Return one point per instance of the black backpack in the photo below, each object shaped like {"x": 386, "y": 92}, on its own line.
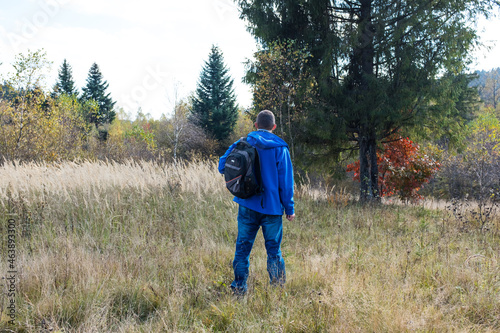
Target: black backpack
{"x": 242, "y": 170}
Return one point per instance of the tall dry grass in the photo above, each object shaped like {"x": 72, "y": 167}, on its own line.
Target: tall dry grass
{"x": 141, "y": 247}
{"x": 34, "y": 179}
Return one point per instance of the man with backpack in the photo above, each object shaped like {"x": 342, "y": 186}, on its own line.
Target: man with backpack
{"x": 274, "y": 195}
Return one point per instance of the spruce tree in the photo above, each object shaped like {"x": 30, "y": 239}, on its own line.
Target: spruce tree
{"x": 96, "y": 90}
{"x": 214, "y": 105}
{"x": 380, "y": 66}
{"x": 65, "y": 83}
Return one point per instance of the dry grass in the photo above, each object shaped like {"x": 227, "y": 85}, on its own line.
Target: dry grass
{"x": 139, "y": 247}
{"x": 64, "y": 179}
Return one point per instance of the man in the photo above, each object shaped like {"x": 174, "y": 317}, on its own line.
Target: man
{"x": 264, "y": 209}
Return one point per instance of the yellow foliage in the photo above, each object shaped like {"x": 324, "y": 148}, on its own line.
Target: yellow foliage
{"x": 35, "y": 127}
{"x": 244, "y": 125}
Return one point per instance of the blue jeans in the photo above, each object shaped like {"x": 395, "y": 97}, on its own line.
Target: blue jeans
{"x": 249, "y": 222}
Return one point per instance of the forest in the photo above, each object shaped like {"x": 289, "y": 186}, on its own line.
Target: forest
{"x": 119, "y": 223}
{"x": 456, "y": 160}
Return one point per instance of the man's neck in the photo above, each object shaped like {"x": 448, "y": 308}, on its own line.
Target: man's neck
{"x": 264, "y": 130}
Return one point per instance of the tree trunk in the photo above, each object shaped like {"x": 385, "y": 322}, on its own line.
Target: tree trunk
{"x": 364, "y": 170}
{"x": 362, "y": 70}
{"x": 292, "y": 147}
{"x": 374, "y": 168}
{"x": 368, "y": 169}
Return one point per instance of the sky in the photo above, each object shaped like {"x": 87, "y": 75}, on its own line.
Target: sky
{"x": 150, "y": 52}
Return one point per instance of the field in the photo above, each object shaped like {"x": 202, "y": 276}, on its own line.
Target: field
{"x": 139, "y": 247}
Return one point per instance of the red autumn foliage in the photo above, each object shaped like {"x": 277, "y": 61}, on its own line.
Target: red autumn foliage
{"x": 403, "y": 169}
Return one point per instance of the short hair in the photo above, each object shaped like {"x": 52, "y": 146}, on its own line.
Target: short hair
{"x": 265, "y": 120}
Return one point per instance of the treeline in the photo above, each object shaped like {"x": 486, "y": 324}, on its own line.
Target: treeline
{"x": 63, "y": 123}
{"x": 361, "y": 83}
{"x": 469, "y": 159}
{"x": 488, "y": 85}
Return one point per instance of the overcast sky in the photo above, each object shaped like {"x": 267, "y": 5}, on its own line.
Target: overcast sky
{"x": 146, "y": 50}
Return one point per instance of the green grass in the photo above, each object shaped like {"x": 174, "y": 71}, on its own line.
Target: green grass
{"x": 130, "y": 255}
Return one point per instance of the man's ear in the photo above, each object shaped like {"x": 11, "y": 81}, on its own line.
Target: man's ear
{"x": 255, "y": 124}
{"x": 274, "y": 127}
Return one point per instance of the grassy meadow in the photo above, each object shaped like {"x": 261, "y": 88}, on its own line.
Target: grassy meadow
{"x": 141, "y": 247}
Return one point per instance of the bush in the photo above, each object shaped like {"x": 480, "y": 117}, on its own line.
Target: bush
{"x": 403, "y": 169}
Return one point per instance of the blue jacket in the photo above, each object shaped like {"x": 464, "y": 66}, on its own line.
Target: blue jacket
{"x": 276, "y": 172}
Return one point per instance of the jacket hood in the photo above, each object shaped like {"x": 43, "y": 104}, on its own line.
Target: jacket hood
{"x": 265, "y": 140}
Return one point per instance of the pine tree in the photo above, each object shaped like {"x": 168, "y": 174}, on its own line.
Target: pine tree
{"x": 378, "y": 65}
{"x": 96, "y": 90}
{"x": 214, "y": 106}
{"x": 65, "y": 84}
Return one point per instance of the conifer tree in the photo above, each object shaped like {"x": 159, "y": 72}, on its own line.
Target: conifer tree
{"x": 214, "y": 106}
{"x": 65, "y": 83}
{"x": 378, "y": 65}
{"x": 96, "y": 90}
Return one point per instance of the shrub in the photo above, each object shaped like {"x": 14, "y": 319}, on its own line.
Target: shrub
{"x": 403, "y": 169}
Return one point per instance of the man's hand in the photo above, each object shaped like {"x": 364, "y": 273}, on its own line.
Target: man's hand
{"x": 290, "y": 217}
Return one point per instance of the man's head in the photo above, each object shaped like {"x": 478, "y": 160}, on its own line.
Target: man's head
{"x": 265, "y": 120}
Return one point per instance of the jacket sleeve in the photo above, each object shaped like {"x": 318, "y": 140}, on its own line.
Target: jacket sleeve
{"x": 222, "y": 160}
{"x": 285, "y": 181}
